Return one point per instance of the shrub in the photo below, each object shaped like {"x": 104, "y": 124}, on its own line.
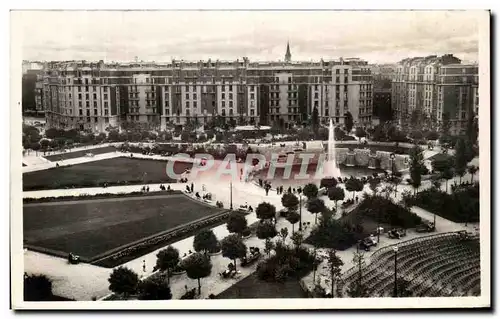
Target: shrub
{"x": 37, "y": 288}
{"x": 461, "y": 206}
{"x": 286, "y": 263}
{"x": 390, "y": 213}
{"x": 246, "y": 232}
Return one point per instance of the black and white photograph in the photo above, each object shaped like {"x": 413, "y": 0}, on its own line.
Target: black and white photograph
{"x": 316, "y": 159}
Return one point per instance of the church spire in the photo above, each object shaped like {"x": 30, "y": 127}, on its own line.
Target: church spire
{"x": 288, "y": 55}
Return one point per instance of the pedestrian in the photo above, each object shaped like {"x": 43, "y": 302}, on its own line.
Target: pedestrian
{"x": 144, "y": 265}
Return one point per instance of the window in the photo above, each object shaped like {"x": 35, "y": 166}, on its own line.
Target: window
{"x": 105, "y": 89}
{"x": 346, "y": 79}
{"x": 86, "y": 89}
{"x": 337, "y": 79}
{"x": 315, "y": 95}
{"x": 95, "y": 103}
{"x": 95, "y": 96}
{"x": 223, "y": 104}
{"x": 252, "y": 88}
{"x": 105, "y": 104}
{"x": 230, "y": 103}
{"x": 194, "y": 96}
{"x": 167, "y": 112}
{"x": 195, "y": 104}
{"x": 79, "y": 89}
{"x": 95, "y": 111}
{"x": 87, "y": 96}
{"x": 87, "y": 104}
{"x": 315, "y": 103}
{"x": 187, "y": 87}
{"x": 289, "y": 79}
{"x": 70, "y": 95}
{"x": 223, "y": 88}
{"x": 223, "y": 95}
{"x": 252, "y": 96}
{"x": 252, "y": 112}
{"x": 230, "y": 96}
{"x": 230, "y": 89}
{"x": 79, "y": 96}
{"x": 316, "y": 87}
{"x": 88, "y": 112}
{"x": 187, "y": 96}
{"x": 80, "y": 103}
{"x": 187, "y": 103}
{"x": 80, "y": 112}
{"x": 230, "y": 112}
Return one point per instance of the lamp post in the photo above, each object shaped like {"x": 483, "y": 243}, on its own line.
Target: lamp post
{"x": 300, "y": 212}
{"x": 395, "y": 271}
{"x": 392, "y": 156}
{"x": 231, "y": 195}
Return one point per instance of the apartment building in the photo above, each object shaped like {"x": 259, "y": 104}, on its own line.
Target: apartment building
{"x": 435, "y": 85}
{"x": 94, "y": 96}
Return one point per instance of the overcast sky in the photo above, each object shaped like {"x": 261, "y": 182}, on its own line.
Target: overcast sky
{"x": 260, "y": 35}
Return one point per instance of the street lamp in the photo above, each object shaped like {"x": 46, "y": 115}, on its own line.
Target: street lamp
{"x": 231, "y": 194}
{"x": 300, "y": 212}
{"x": 395, "y": 271}
{"x": 392, "y": 156}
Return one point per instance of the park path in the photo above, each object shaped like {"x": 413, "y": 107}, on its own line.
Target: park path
{"x": 73, "y": 281}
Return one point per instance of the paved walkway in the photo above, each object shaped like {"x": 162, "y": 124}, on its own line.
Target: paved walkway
{"x": 83, "y": 282}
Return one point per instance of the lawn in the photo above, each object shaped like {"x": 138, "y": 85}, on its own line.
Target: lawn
{"x": 70, "y": 155}
{"x": 114, "y": 171}
{"x": 93, "y": 227}
{"x": 252, "y": 287}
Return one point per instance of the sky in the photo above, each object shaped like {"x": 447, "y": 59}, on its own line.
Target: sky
{"x": 376, "y": 36}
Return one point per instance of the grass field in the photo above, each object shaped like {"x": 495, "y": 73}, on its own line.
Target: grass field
{"x": 114, "y": 171}
{"x": 93, "y": 227}
{"x": 252, "y": 287}
{"x": 95, "y": 151}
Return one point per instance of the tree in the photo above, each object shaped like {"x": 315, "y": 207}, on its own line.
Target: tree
{"x": 197, "y": 266}
{"x": 155, "y": 288}
{"x": 403, "y": 288}
{"x": 374, "y": 184}
{"x": 167, "y": 259}
{"x": 205, "y": 241}
{"x": 290, "y": 202}
{"x": 237, "y": 223}
{"x": 233, "y": 247}
{"x": 336, "y": 193}
{"x": 315, "y": 206}
{"x": 416, "y": 164}
{"x": 269, "y": 246}
{"x": 310, "y": 191}
{"x": 353, "y": 185}
{"x": 328, "y": 182}
{"x": 283, "y": 233}
{"x": 297, "y": 239}
{"x": 472, "y": 171}
{"x": 460, "y": 158}
{"x": 445, "y": 168}
{"x": 123, "y": 281}
{"x": 265, "y": 211}
{"x": 37, "y": 287}
{"x": 360, "y": 132}
{"x": 357, "y": 289}
{"x": 334, "y": 268}
{"x": 349, "y": 123}
{"x": 266, "y": 230}
{"x": 293, "y": 217}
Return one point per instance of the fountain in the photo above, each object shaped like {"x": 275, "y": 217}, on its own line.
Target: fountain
{"x": 332, "y": 170}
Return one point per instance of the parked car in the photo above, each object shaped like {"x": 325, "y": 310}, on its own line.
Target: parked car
{"x": 425, "y": 228}
{"x": 397, "y": 233}
{"x": 368, "y": 242}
